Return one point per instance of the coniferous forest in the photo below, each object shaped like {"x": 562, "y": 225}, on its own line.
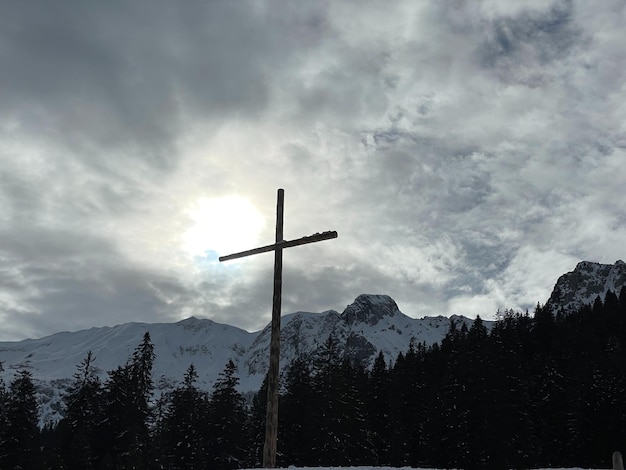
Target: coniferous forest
{"x": 538, "y": 390}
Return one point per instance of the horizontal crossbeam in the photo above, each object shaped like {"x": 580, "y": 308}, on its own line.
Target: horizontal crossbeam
{"x": 318, "y": 237}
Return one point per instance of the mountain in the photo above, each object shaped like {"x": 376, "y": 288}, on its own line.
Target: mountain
{"x": 369, "y": 325}
{"x": 372, "y": 323}
{"x": 586, "y": 282}
{"x": 53, "y": 359}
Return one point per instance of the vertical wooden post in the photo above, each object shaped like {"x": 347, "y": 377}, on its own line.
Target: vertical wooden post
{"x": 271, "y": 415}
{"x": 271, "y": 418}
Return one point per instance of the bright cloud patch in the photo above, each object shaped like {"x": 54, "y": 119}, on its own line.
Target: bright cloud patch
{"x": 222, "y": 226}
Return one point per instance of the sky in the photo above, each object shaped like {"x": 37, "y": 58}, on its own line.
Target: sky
{"x": 467, "y": 153}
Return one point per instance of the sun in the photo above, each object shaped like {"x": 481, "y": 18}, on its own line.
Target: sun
{"x": 221, "y": 226}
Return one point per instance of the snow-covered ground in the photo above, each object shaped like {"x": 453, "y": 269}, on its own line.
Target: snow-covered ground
{"x": 395, "y": 468}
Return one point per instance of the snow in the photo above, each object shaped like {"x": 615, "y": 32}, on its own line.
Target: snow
{"x": 586, "y": 282}
{"x": 373, "y": 323}
{"x": 393, "y": 468}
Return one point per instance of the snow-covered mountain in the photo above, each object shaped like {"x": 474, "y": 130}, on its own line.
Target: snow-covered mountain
{"x": 53, "y": 359}
{"x": 586, "y": 282}
{"x": 372, "y": 323}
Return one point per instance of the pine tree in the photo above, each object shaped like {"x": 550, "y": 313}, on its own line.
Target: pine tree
{"x": 357, "y": 433}
{"x": 227, "y": 421}
{"x": 399, "y": 397}
{"x": 341, "y": 431}
{"x": 448, "y": 414}
{"x": 326, "y": 443}
{"x": 127, "y": 393}
{"x": 22, "y": 431}
{"x": 379, "y": 410}
{"x": 413, "y": 394}
{"x": 256, "y": 426}
{"x": 141, "y": 368}
{"x": 119, "y": 424}
{"x": 477, "y": 382}
{"x": 83, "y": 416}
{"x": 512, "y": 441}
{"x": 184, "y": 442}
{"x": 4, "y": 404}
{"x": 604, "y": 408}
{"x": 141, "y": 374}
{"x": 295, "y": 415}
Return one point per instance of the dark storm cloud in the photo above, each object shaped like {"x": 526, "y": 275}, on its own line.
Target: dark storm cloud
{"x": 71, "y": 300}
{"x": 68, "y": 280}
{"x": 518, "y": 47}
{"x": 129, "y": 75}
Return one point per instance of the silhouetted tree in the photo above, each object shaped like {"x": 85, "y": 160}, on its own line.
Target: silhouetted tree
{"x": 83, "y": 415}
{"x": 185, "y": 443}
{"x": 295, "y": 414}
{"x": 127, "y": 409}
{"x": 4, "y": 423}
{"x": 22, "y": 431}
{"x": 379, "y": 410}
{"x": 227, "y": 420}
{"x": 256, "y": 426}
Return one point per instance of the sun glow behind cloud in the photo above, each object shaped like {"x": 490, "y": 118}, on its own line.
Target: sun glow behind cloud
{"x": 221, "y": 226}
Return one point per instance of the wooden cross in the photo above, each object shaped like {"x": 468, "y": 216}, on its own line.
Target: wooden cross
{"x": 271, "y": 416}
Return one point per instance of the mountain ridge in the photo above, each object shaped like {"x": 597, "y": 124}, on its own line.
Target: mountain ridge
{"x": 586, "y": 282}
{"x": 371, "y": 324}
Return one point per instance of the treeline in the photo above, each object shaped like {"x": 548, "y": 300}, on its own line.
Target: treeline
{"x": 534, "y": 391}
{"x": 119, "y": 424}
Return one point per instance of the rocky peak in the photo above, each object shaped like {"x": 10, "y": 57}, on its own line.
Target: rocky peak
{"x": 369, "y": 309}
{"x": 586, "y": 282}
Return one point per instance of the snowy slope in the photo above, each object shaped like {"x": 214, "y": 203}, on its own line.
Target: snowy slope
{"x": 176, "y": 346}
{"x": 587, "y": 281}
{"x": 372, "y": 323}
{"x": 394, "y": 468}
{"x": 53, "y": 359}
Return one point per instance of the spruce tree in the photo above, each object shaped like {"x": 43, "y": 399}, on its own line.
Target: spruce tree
{"x": 379, "y": 410}
{"x": 399, "y": 397}
{"x": 141, "y": 369}
{"x": 22, "y": 431}
{"x": 477, "y": 382}
{"x": 295, "y": 415}
{"x": 256, "y": 426}
{"x": 227, "y": 420}
{"x": 512, "y": 441}
{"x": 326, "y": 442}
{"x": 184, "y": 442}
{"x": 448, "y": 414}
{"x": 341, "y": 431}
{"x": 128, "y": 414}
{"x": 414, "y": 392}
{"x": 80, "y": 426}
{"x": 4, "y": 404}
{"x": 119, "y": 423}
{"x": 356, "y": 434}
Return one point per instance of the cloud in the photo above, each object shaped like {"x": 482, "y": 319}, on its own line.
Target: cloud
{"x": 523, "y": 48}
{"x": 466, "y": 153}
